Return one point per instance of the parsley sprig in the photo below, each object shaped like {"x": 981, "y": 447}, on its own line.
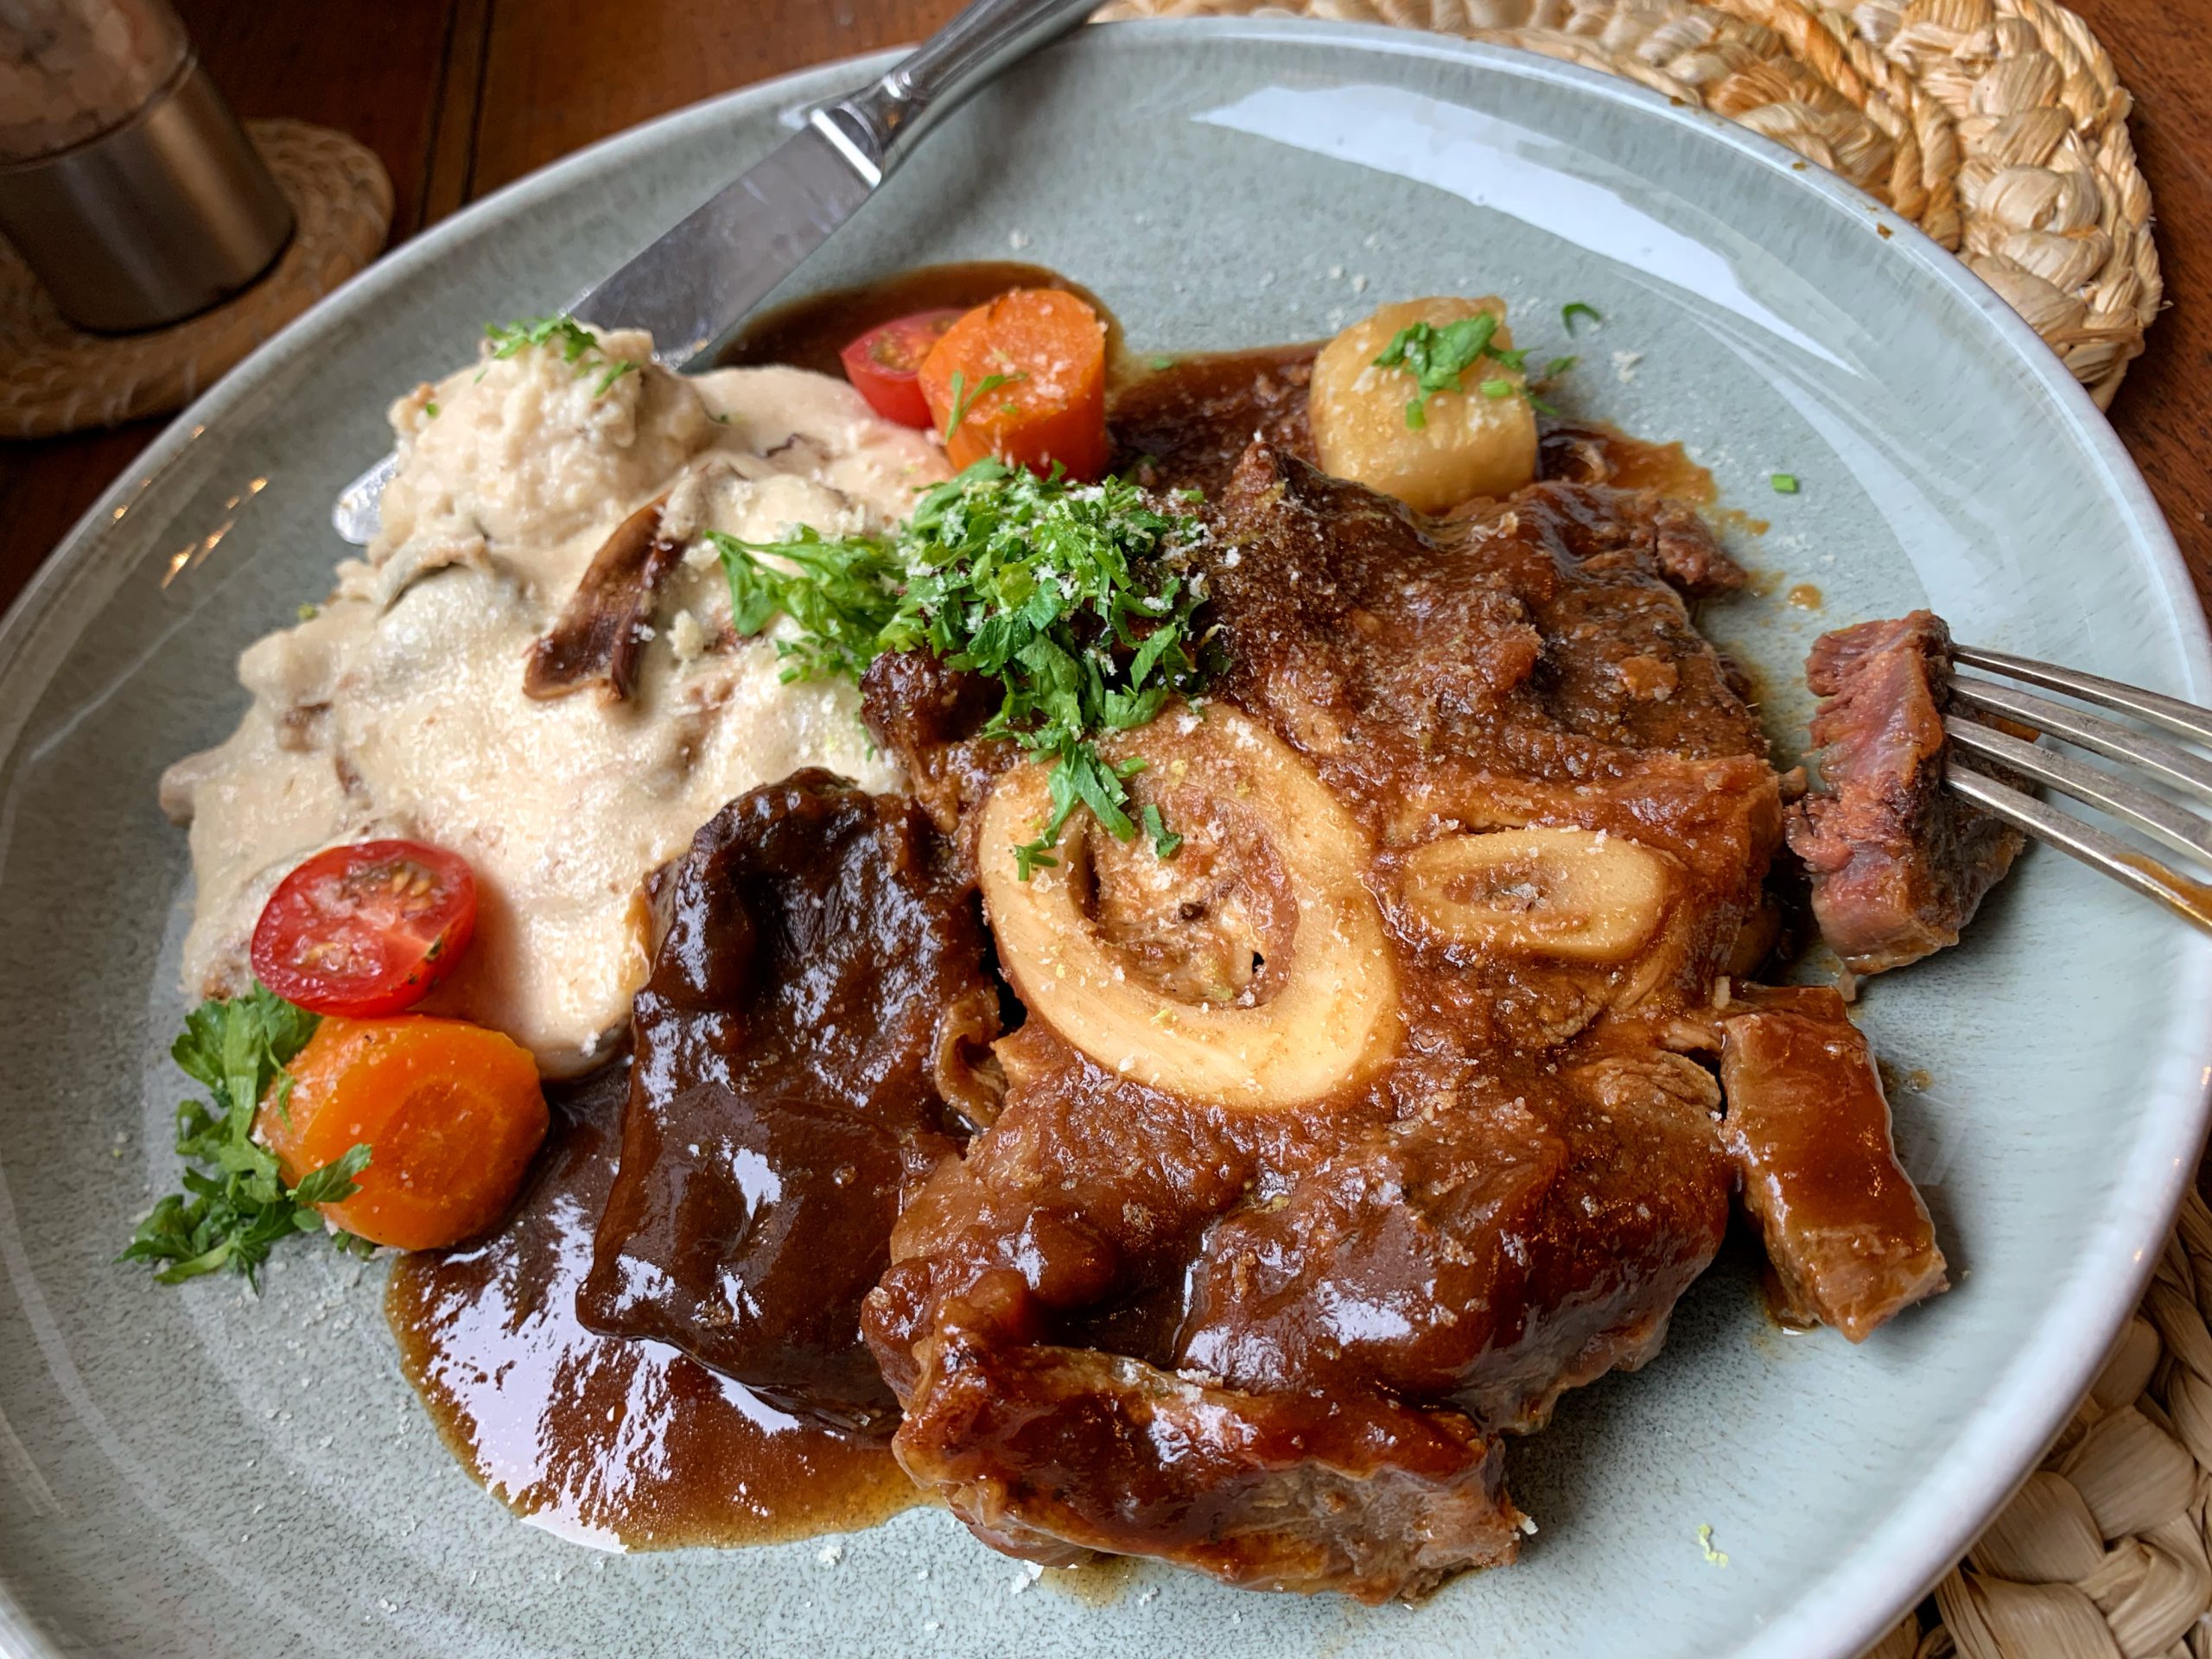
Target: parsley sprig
{"x": 235, "y": 1206}
{"x": 576, "y": 344}
{"x": 1071, "y": 597}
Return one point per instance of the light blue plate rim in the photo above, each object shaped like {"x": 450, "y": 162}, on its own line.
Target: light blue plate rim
{"x": 1842, "y": 1613}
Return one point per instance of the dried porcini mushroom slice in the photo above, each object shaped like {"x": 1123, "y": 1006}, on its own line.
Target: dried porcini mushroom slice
{"x": 1250, "y": 969}
{"x": 1580, "y": 895}
{"x": 601, "y": 630}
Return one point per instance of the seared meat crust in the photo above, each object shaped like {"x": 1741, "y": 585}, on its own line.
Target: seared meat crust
{"x": 1044, "y": 1449}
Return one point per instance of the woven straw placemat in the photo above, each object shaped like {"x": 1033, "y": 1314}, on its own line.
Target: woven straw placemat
{"x": 1999, "y": 127}
{"x": 56, "y": 378}
{"x": 1996, "y": 125}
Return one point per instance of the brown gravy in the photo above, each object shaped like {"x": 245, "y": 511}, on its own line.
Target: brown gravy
{"x": 1593, "y": 452}
{"x": 1202, "y": 408}
{"x": 603, "y": 1442}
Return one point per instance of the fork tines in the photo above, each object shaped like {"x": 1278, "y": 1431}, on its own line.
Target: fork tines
{"x": 2126, "y": 794}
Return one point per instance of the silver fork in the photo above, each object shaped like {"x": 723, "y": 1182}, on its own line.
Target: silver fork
{"x": 2127, "y": 796}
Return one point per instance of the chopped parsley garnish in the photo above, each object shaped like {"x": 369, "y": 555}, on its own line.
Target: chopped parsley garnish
{"x": 235, "y": 1206}
{"x": 1497, "y": 388}
{"x": 1162, "y": 362}
{"x": 962, "y": 402}
{"x": 1558, "y": 366}
{"x": 1575, "y": 308}
{"x": 560, "y": 330}
{"x": 1163, "y": 843}
{"x": 1783, "y": 483}
{"x": 577, "y": 345}
{"x": 1070, "y": 597}
{"x": 431, "y": 411}
{"x": 1436, "y": 357}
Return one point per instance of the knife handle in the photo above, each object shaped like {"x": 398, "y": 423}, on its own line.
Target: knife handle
{"x": 876, "y": 126}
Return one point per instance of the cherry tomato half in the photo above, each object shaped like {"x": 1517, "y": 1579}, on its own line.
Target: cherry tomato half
{"x": 365, "y": 930}
{"x": 883, "y": 363}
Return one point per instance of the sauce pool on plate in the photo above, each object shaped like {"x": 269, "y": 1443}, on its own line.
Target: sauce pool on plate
{"x": 624, "y": 1445}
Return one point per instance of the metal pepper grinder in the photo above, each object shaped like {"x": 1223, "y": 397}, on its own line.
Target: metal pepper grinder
{"x": 125, "y": 181}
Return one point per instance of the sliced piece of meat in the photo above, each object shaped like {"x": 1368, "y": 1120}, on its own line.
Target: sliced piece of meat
{"x": 600, "y": 630}
{"x": 1897, "y": 863}
{"x": 801, "y": 1050}
{"x": 1809, "y": 1130}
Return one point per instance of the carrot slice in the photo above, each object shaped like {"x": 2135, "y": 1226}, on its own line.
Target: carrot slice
{"x": 451, "y": 1114}
{"x": 1024, "y": 379}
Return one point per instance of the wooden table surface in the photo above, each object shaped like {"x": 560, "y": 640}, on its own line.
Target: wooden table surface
{"x": 460, "y": 96}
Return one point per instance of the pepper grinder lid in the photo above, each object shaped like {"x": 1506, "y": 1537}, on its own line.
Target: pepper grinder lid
{"x": 125, "y": 181}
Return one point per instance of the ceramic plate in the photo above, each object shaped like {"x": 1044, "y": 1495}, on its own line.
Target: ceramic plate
{"x": 201, "y": 1473}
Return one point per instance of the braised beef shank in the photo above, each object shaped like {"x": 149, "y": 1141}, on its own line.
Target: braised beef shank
{"x": 1898, "y": 864}
{"x": 803, "y": 1054}
{"x": 1330, "y": 1149}
{"x": 1276, "y": 1340}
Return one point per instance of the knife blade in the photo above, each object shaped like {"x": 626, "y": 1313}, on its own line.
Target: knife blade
{"x": 692, "y": 286}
